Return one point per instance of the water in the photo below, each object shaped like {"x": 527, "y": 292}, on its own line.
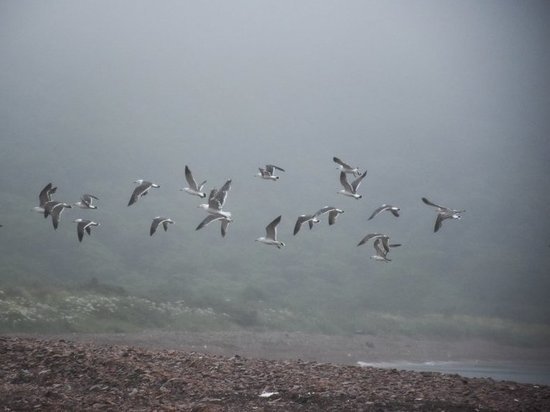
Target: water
{"x": 532, "y": 372}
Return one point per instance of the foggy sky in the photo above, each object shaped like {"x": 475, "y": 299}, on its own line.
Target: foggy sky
{"x": 444, "y": 99}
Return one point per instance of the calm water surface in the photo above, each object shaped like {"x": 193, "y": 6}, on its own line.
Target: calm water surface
{"x": 532, "y": 372}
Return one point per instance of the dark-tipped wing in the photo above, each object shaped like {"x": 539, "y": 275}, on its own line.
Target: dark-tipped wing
{"x": 80, "y": 229}
{"x": 139, "y": 191}
{"x": 324, "y": 210}
{"x": 207, "y": 220}
{"x": 426, "y": 201}
{"x": 190, "y": 180}
{"x": 439, "y": 221}
{"x": 88, "y": 199}
{"x": 341, "y": 163}
{"x": 270, "y": 168}
{"x": 367, "y": 237}
{"x": 332, "y": 215}
{"x": 271, "y": 229}
{"x": 378, "y": 210}
{"x": 154, "y": 224}
{"x": 301, "y": 219}
{"x": 224, "y": 226}
{"x": 355, "y": 184}
{"x": 379, "y": 250}
{"x": 45, "y": 194}
{"x": 345, "y": 183}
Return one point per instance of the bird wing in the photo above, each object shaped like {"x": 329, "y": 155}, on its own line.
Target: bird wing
{"x": 301, "y": 219}
{"x": 332, "y": 215}
{"x": 221, "y": 195}
{"x": 367, "y": 237}
{"x": 224, "y": 226}
{"x": 270, "y": 168}
{"x": 80, "y": 229}
{"x": 341, "y": 163}
{"x": 345, "y": 183}
{"x": 394, "y": 212}
{"x": 433, "y": 204}
{"x": 140, "y": 190}
{"x": 190, "y": 180}
{"x": 44, "y": 195}
{"x": 377, "y": 210}
{"x": 355, "y": 184}
{"x": 379, "y": 251}
{"x": 154, "y": 225}
{"x": 207, "y": 220}
{"x": 324, "y": 210}
{"x": 271, "y": 229}
{"x": 439, "y": 220}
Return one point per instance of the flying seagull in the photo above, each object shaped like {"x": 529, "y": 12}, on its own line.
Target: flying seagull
{"x": 84, "y": 225}
{"x": 443, "y": 213}
{"x": 310, "y": 219}
{"x": 141, "y": 190}
{"x": 193, "y": 188}
{"x": 332, "y": 214}
{"x": 344, "y": 167}
{"x": 216, "y": 201}
{"x": 44, "y": 197}
{"x": 393, "y": 209}
{"x": 55, "y": 209}
{"x": 381, "y": 245}
{"x": 157, "y": 221}
{"x": 271, "y": 234}
{"x": 268, "y": 172}
{"x": 86, "y": 202}
{"x": 225, "y": 221}
{"x": 351, "y": 189}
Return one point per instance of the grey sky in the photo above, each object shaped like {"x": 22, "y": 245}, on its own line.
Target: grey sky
{"x": 444, "y": 99}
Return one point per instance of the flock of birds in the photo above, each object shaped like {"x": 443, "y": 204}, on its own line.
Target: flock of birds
{"x": 216, "y": 201}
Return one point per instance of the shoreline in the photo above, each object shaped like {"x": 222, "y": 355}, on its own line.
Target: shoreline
{"x": 58, "y": 374}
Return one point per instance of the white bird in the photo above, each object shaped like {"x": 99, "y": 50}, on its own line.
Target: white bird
{"x": 157, "y": 221}
{"x": 344, "y": 167}
{"x": 216, "y": 201}
{"x": 55, "y": 209}
{"x": 84, "y": 225}
{"x": 271, "y": 234}
{"x": 351, "y": 189}
{"x": 311, "y": 219}
{"x": 141, "y": 190}
{"x": 194, "y": 188}
{"x": 379, "y": 239}
{"x": 332, "y": 214}
{"x": 44, "y": 197}
{"x": 443, "y": 213}
{"x": 268, "y": 172}
{"x": 86, "y": 202}
{"x": 393, "y": 209}
{"x": 225, "y": 221}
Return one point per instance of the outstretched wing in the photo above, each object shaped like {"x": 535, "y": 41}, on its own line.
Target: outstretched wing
{"x": 367, "y": 237}
{"x": 341, "y": 163}
{"x": 271, "y": 229}
{"x": 345, "y": 183}
{"x": 190, "y": 180}
{"x": 426, "y": 201}
{"x": 207, "y": 220}
{"x": 301, "y": 219}
{"x": 355, "y": 184}
{"x": 377, "y": 210}
{"x": 270, "y": 168}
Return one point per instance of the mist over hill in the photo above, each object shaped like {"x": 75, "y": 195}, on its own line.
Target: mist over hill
{"x": 447, "y": 100}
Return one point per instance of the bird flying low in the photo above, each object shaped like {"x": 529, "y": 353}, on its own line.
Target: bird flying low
{"x": 443, "y": 213}
{"x": 269, "y": 172}
{"x": 270, "y": 237}
{"x": 84, "y": 225}
{"x": 141, "y": 190}
{"x": 194, "y": 188}
{"x": 393, "y": 209}
{"x": 351, "y": 189}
